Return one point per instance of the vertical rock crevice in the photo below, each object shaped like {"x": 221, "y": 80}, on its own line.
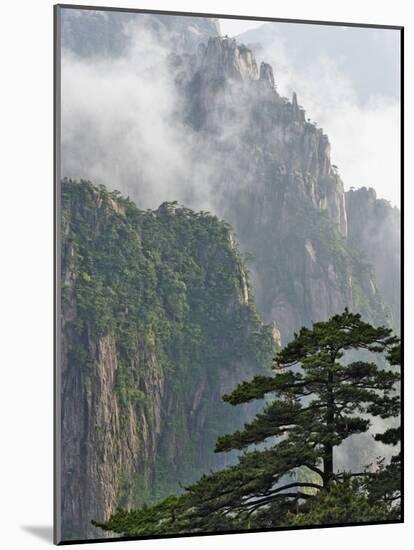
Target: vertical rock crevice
{"x": 158, "y": 322}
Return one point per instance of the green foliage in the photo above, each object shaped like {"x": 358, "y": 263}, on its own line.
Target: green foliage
{"x": 385, "y": 487}
{"x": 301, "y": 257}
{"x": 333, "y": 251}
{"x": 336, "y": 394}
{"x": 344, "y": 502}
{"x": 167, "y": 287}
{"x": 319, "y": 401}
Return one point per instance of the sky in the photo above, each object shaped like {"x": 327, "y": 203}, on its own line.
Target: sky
{"x": 233, "y": 27}
{"x": 127, "y": 135}
{"x": 347, "y": 79}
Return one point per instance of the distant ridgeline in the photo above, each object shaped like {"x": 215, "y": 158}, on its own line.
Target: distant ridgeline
{"x": 158, "y": 316}
{"x": 269, "y": 174}
{"x": 276, "y": 185}
{"x": 374, "y": 228}
{"x": 158, "y": 323}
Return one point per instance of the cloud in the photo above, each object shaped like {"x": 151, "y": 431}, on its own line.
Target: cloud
{"x": 233, "y": 27}
{"x": 361, "y": 450}
{"x": 122, "y": 127}
{"x": 119, "y": 122}
{"x": 364, "y": 136}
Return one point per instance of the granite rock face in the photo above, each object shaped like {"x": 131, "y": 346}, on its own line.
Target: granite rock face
{"x": 109, "y": 34}
{"x": 147, "y": 353}
{"x": 374, "y": 229}
{"x": 266, "y": 74}
{"x": 102, "y": 448}
{"x": 314, "y": 250}
{"x": 225, "y": 59}
{"x": 275, "y": 183}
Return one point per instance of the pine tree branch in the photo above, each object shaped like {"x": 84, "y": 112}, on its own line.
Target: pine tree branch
{"x": 356, "y": 474}
{"x": 303, "y": 484}
{"x": 268, "y": 500}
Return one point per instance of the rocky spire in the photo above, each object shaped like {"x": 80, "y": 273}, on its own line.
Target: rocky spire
{"x": 298, "y": 113}
{"x": 266, "y": 74}
{"x": 224, "y": 58}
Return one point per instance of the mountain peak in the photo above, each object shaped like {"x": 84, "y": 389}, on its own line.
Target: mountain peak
{"x": 225, "y": 58}
{"x": 266, "y": 74}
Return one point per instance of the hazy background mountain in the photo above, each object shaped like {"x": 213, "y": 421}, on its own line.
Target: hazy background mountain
{"x": 348, "y": 79}
{"x": 168, "y": 109}
{"x": 158, "y": 322}
{"x": 353, "y": 49}
{"x": 152, "y": 108}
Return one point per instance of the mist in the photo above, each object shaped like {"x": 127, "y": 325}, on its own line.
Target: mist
{"x": 122, "y": 121}
{"x": 123, "y": 125}
{"x": 119, "y": 122}
{"x": 359, "y": 112}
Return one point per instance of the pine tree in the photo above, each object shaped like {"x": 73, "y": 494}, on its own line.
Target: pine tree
{"x": 386, "y": 486}
{"x": 325, "y": 388}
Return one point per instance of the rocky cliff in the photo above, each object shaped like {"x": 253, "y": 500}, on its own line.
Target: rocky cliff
{"x": 109, "y": 34}
{"x": 374, "y": 230}
{"x": 257, "y": 160}
{"x": 158, "y": 322}
{"x": 274, "y": 181}
{"x": 237, "y": 107}
{"x": 158, "y": 316}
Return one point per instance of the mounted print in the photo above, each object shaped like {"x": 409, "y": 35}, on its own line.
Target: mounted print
{"x": 228, "y": 274}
